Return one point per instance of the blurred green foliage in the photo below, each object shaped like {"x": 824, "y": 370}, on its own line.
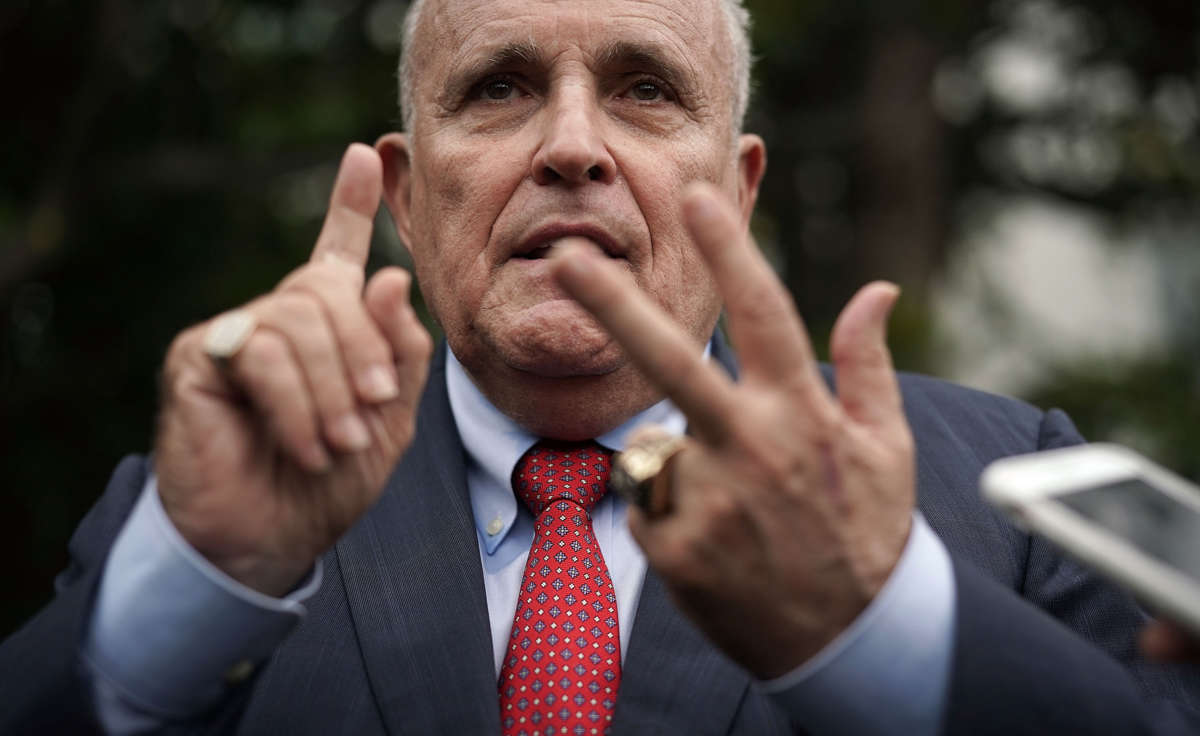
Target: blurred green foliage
{"x": 165, "y": 160}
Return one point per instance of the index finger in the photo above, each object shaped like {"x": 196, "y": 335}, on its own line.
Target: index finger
{"x": 346, "y": 234}
{"x": 668, "y": 357}
{"x": 766, "y": 330}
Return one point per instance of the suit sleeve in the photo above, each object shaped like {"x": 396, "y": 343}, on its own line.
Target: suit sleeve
{"x": 42, "y": 675}
{"x": 1062, "y": 658}
{"x": 40, "y": 669}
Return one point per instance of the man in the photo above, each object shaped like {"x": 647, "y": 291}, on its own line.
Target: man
{"x": 575, "y": 193}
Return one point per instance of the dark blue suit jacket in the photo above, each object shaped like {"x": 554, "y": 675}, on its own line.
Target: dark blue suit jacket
{"x": 397, "y": 640}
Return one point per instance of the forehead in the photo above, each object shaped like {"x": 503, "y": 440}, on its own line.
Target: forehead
{"x": 690, "y": 30}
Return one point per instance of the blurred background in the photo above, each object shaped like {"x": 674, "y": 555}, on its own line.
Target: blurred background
{"x": 1028, "y": 171}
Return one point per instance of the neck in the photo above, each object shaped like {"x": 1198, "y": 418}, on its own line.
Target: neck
{"x": 570, "y": 408}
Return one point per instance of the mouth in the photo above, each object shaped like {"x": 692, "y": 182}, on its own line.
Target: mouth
{"x": 542, "y": 241}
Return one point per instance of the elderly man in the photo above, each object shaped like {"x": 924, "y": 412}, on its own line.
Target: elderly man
{"x": 325, "y": 542}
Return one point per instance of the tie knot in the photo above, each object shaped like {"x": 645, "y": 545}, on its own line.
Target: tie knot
{"x": 574, "y": 471}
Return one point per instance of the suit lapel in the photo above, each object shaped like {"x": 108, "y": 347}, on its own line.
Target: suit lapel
{"x": 413, "y": 580}
{"x": 415, "y": 589}
{"x": 673, "y": 681}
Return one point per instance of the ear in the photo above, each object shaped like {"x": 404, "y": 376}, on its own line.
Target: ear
{"x": 393, "y": 149}
{"x": 752, "y": 162}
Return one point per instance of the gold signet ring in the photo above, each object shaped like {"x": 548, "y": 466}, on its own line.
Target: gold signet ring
{"x": 228, "y": 334}
{"x": 642, "y": 474}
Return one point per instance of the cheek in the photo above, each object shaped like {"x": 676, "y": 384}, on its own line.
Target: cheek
{"x": 466, "y": 186}
{"x": 455, "y": 208}
{"x": 682, "y": 285}
{"x": 678, "y": 278}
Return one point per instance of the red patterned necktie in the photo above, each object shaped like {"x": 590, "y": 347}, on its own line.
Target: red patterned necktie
{"x": 563, "y": 666}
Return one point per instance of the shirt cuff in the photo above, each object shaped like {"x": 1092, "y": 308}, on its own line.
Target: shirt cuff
{"x": 170, "y": 630}
{"x": 888, "y": 671}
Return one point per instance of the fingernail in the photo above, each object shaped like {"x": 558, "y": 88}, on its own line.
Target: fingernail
{"x": 573, "y": 256}
{"x": 351, "y": 433}
{"x": 378, "y": 383}
{"x": 700, "y": 201}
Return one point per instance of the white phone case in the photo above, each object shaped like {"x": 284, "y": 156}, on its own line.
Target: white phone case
{"x": 1028, "y": 488}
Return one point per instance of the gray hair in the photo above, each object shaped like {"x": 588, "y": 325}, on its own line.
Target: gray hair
{"x": 737, "y": 22}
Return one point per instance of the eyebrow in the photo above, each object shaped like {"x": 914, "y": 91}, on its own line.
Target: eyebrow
{"x": 648, "y": 58}
{"x": 618, "y": 54}
{"x": 519, "y": 53}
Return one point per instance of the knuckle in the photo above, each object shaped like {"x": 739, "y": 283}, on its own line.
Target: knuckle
{"x": 755, "y": 304}
{"x": 421, "y": 344}
{"x": 265, "y": 353}
{"x": 365, "y": 344}
{"x": 840, "y": 351}
{"x": 301, "y": 306}
{"x": 171, "y": 383}
{"x": 861, "y": 351}
{"x": 334, "y": 269}
{"x": 398, "y": 282}
{"x": 318, "y": 278}
{"x": 181, "y": 346}
{"x": 721, "y": 510}
{"x": 689, "y": 573}
{"x": 184, "y": 353}
{"x": 674, "y": 559}
{"x": 780, "y": 470}
{"x": 297, "y": 278}
{"x": 826, "y": 420}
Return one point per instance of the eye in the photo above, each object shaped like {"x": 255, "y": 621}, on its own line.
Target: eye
{"x": 496, "y": 89}
{"x": 648, "y": 91}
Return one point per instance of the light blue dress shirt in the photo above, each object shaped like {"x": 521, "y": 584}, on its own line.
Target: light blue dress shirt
{"x": 161, "y": 604}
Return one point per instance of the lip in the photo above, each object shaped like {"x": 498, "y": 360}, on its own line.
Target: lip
{"x": 534, "y": 246}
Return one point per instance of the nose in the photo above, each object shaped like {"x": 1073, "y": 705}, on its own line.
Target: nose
{"x": 573, "y": 148}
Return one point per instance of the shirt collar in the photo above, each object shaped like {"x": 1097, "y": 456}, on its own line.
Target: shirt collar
{"x": 494, "y": 443}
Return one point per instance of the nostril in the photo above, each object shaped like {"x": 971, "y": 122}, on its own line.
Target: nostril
{"x": 549, "y": 174}
{"x": 595, "y": 173}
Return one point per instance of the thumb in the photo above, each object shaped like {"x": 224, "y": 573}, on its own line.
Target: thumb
{"x": 866, "y": 380}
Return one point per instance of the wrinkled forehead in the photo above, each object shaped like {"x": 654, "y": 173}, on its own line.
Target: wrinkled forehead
{"x": 451, "y": 33}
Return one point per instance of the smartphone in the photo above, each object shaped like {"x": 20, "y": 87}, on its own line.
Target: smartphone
{"x": 1115, "y": 511}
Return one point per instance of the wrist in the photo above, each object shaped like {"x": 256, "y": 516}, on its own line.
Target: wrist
{"x": 272, "y": 577}
{"x": 263, "y": 571}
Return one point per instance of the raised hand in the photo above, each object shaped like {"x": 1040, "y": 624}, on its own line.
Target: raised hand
{"x": 790, "y": 506}
{"x": 264, "y": 462}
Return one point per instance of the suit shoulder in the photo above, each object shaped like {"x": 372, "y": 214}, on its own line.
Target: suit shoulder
{"x": 992, "y": 425}
{"x": 937, "y": 393}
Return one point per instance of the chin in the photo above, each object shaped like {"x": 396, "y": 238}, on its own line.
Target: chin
{"x": 562, "y": 380}
{"x": 553, "y": 340}
{"x": 550, "y": 358}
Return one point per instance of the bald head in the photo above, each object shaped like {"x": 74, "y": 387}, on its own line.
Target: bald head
{"x": 735, "y": 20}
